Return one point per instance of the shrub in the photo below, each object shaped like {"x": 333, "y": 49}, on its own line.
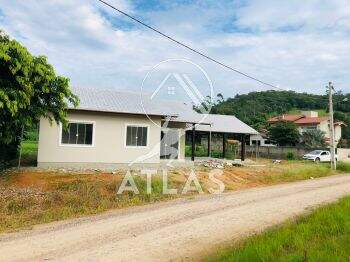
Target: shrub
{"x": 8, "y": 152}
{"x": 291, "y": 155}
{"x": 342, "y": 166}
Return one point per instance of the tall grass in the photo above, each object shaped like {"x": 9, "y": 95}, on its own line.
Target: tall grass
{"x": 322, "y": 236}
{"x": 73, "y": 198}
{"x": 343, "y": 166}
{"x": 299, "y": 172}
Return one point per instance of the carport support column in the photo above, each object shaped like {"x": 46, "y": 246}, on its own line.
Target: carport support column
{"x": 243, "y": 147}
{"x": 193, "y": 141}
{"x": 209, "y": 143}
{"x": 223, "y": 145}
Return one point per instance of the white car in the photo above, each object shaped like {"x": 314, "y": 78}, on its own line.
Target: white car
{"x": 319, "y": 156}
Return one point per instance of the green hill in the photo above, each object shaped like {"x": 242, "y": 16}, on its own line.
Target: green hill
{"x": 256, "y": 107}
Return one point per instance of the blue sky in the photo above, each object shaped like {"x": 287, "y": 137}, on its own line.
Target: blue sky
{"x": 297, "y": 45}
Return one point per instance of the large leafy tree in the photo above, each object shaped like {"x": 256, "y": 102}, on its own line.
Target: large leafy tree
{"x": 313, "y": 138}
{"x": 29, "y": 89}
{"x": 284, "y": 133}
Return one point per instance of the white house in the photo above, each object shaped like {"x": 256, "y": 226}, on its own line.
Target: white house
{"x": 260, "y": 139}
{"x": 309, "y": 120}
{"x": 110, "y": 129}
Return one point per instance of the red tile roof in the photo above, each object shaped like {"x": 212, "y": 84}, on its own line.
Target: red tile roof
{"x": 311, "y": 120}
{"x": 285, "y": 117}
{"x": 302, "y": 120}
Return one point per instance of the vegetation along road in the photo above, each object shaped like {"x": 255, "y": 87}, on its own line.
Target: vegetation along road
{"x": 174, "y": 230}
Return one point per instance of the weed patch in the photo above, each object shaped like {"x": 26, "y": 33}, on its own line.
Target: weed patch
{"x": 322, "y": 236}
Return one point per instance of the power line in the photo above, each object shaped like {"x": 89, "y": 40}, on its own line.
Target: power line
{"x": 188, "y": 47}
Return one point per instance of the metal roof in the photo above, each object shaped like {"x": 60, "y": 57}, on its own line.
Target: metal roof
{"x": 119, "y": 102}
{"x": 226, "y": 124}
{"x": 131, "y": 103}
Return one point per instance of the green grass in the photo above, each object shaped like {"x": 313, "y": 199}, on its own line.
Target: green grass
{"x": 201, "y": 151}
{"x": 322, "y": 236}
{"x": 29, "y": 153}
{"x": 342, "y": 166}
{"x": 29, "y": 147}
{"x": 300, "y": 171}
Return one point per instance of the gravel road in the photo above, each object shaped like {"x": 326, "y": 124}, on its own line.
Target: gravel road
{"x": 176, "y": 230}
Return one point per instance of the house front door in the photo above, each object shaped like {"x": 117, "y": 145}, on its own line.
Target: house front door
{"x": 169, "y": 144}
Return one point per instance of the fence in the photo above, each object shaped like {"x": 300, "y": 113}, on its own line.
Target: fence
{"x": 275, "y": 152}
{"x": 272, "y": 152}
{"x": 344, "y": 154}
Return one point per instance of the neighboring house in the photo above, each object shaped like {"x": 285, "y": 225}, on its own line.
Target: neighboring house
{"x": 109, "y": 129}
{"x": 260, "y": 139}
{"x": 309, "y": 120}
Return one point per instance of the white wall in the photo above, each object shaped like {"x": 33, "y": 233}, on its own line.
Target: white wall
{"x": 109, "y": 141}
{"x": 259, "y": 138}
{"x": 324, "y": 126}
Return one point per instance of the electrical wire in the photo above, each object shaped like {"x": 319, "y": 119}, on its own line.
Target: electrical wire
{"x": 188, "y": 47}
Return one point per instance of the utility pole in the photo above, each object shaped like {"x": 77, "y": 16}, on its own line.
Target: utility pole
{"x": 330, "y": 94}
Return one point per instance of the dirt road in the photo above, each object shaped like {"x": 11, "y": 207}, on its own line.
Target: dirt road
{"x": 176, "y": 230}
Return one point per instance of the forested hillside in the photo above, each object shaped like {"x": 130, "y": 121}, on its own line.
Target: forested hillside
{"x": 256, "y": 107}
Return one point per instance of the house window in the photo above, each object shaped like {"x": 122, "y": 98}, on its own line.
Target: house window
{"x": 136, "y": 136}
{"x": 308, "y": 128}
{"x": 77, "y": 134}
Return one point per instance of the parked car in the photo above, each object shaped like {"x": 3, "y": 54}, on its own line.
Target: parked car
{"x": 319, "y": 156}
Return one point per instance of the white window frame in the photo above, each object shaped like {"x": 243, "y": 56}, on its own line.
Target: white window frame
{"x": 136, "y": 125}
{"x": 78, "y": 122}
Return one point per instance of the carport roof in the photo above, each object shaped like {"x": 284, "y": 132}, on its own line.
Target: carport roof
{"x": 226, "y": 124}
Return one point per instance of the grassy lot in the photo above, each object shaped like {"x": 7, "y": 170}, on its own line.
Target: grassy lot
{"x": 29, "y": 147}
{"x": 32, "y": 197}
{"x": 322, "y": 236}
{"x": 29, "y": 153}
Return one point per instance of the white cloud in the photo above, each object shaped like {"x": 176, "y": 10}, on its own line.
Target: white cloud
{"x": 294, "y": 44}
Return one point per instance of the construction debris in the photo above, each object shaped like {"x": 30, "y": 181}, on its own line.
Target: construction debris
{"x": 277, "y": 161}
{"x": 219, "y": 163}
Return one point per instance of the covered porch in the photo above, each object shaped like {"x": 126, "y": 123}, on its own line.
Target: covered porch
{"x": 225, "y": 137}
{"x": 204, "y": 144}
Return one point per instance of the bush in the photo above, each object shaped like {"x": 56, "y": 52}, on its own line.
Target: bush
{"x": 200, "y": 151}
{"x": 31, "y": 135}
{"x": 290, "y": 155}
{"x": 342, "y": 166}
{"x": 8, "y": 152}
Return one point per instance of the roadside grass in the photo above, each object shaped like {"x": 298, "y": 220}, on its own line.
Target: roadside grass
{"x": 343, "y": 166}
{"x": 300, "y": 172}
{"x": 324, "y": 235}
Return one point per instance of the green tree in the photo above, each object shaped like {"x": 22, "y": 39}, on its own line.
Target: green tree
{"x": 29, "y": 89}
{"x": 255, "y": 108}
{"x": 220, "y": 98}
{"x": 313, "y": 138}
{"x": 284, "y": 133}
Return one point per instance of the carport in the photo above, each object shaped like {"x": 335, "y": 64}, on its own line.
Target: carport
{"x": 224, "y": 126}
